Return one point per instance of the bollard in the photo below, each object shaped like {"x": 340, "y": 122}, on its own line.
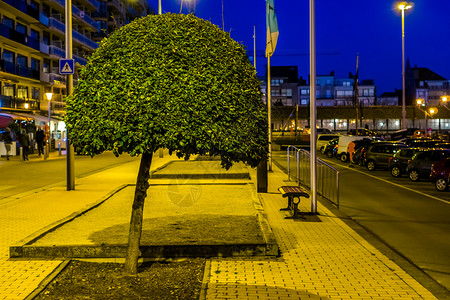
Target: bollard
{"x": 59, "y": 148}
{"x": 261, "y": 176}
{"x": 21, "y": 153}
{"x": 161, "y": 152}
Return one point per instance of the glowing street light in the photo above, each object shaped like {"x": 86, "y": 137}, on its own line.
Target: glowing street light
{"x": 445, "y": 100}
{"x": 403, "y": 6}
{"x": 429, "y": 112}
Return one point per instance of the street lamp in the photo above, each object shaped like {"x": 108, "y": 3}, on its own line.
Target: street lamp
{"x": 444, "y": 100}
{"x": 49, "y": 98}
{"x": 403, "y": 6}
{"x": 430, "y": 112}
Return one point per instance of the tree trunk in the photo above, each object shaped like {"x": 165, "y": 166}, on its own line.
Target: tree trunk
{"x": 134, "y": 236}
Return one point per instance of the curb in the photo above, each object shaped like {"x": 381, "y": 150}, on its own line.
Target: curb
{"x": 47, "y": 280}
{"x": 17, "y": 250}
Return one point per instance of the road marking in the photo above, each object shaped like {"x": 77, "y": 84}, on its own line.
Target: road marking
{"x": 396, "y": 184}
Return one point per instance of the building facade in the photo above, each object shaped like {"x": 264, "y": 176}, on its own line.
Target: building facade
{"x": 32, "y": 40}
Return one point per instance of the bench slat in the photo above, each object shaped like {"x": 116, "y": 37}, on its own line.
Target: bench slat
{"x": 292, "y": 191}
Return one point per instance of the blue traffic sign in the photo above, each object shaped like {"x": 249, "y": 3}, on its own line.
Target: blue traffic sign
{"x": 66, "y": 66}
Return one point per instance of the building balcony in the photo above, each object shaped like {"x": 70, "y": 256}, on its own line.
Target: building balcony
{"x": 75, "y": 34}
{"x": 24, "y": 7}
{"x": 100, "y": 14}
{"x": 78, "y": 59}
{"x": 79, "y": 14}
{"x": 18, "y": 103}
{"x": 56, "y": 51}
{"x": 57, "y": 80}
{"x": 12, "y": 68}
{"x": 115, "y": 6}
{"x": 18, "y": 37}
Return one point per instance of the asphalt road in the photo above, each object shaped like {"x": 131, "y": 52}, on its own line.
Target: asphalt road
{"x": 18, "y": 177}
{"x": 412, "y": 218}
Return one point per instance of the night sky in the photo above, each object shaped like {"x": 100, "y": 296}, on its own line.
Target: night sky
{"x": 343, "y": 29}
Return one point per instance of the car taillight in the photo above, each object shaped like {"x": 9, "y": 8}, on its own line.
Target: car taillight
{"x": 409, "y": 161}
{"x": 390, "y": 159}
{"x": 336, "y": 146}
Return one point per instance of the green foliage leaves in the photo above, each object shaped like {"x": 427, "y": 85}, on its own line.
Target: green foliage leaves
{"x": 172, "y": 81}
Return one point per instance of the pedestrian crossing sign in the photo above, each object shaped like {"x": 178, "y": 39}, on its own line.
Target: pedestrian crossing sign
{"x": 66, "y": 66}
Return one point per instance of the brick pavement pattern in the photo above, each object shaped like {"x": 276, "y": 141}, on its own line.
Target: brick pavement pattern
{"x": 319, "y": 260}
{"x": 24, "y": 214}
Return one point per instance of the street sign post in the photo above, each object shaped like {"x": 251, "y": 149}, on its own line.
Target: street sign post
{"x": 66, "y": 66}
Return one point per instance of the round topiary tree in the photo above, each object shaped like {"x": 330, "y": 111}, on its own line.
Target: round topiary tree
{"x": 168, "y": 81}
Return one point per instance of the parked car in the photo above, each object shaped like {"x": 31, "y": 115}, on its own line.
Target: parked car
{"x": 428, "y": 143}
{"x": 410, "y": 140}
{"x": 443, "y": 145}
{"x": 398, "y": 163}
{"x": 362, "y": 132}
{"x": 420, "y": 164}
{"x": 344, "y": 140}
{"x": 378, "y": 154}
{"x": 360, "y": 149}
{"x": 329, "y": 148}
{"x": 323, "y": 139}
{"x": 440, "y": 174}
{"x": 402, "y": 134}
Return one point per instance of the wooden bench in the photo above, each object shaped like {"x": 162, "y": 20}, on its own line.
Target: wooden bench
{"x": 293, "y": 193}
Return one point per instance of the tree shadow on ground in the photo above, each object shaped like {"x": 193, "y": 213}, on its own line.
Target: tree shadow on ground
{"x": 198, "y": 229}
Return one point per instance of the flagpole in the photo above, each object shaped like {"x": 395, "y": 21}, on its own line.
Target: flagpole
{"x": 254, "y": 46}
{"x": 357, "y": 92}
{"x": 312, "y": 97}
{"x": 269, "y": 104}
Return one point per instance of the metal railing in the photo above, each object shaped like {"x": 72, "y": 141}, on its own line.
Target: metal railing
{"x": 299, "y": 169}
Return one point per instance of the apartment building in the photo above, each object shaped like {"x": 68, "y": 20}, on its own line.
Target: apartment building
{"x": 423, "y": 83}
{"x": 284, "y": 82}
{"x": 32, "y": 40}
{"x": 332, "y": 91}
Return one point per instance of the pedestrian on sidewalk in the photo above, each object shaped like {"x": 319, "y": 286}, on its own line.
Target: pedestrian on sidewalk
{"x": 8, "y": 141}
{"x": 40, "y": 137}
{"x": 24, "y": 141}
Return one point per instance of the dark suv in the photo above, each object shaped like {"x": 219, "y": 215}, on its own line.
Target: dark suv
{"x": 398, "y": 163}
{"x": 440, "y": 174}
{"x": 425, "y": 143}
{"x": 378, "y": 154}
{"x": 420, "y": 164}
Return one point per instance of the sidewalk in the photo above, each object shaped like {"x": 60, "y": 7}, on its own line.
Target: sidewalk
{"x": 23, "y": 215}
{"x": 319, "y": 260}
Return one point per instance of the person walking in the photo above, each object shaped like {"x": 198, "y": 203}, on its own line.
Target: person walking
{"x": 7, "y": 138}
{"x": 40, "y": 137}
{"x": 24, "y": 141}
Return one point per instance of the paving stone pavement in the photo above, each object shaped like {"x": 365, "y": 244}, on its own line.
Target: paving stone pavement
{"x": 25, "y": 214}
{"x": 319, "y": 260}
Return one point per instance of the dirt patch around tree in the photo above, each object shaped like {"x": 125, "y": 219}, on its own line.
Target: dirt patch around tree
{"x": 180, "y": 279}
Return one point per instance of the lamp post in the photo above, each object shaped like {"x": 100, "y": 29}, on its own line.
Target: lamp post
{"x": 403, "y": 6}
{"x": 69, "y": 86}
{"x": 430, "y": 112}
{"x": 49, "y": 99}
{"x": 445, "y": 100}
{"x": 159, "y": 7}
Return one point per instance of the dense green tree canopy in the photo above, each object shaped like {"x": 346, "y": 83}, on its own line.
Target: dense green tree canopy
{"x": 172, "y": 81}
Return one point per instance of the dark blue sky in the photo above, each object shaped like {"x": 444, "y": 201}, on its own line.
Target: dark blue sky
{"x": 370, "y": 28}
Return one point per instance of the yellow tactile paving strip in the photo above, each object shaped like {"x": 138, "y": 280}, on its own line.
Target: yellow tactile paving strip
{"x": 319, "y": 260}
